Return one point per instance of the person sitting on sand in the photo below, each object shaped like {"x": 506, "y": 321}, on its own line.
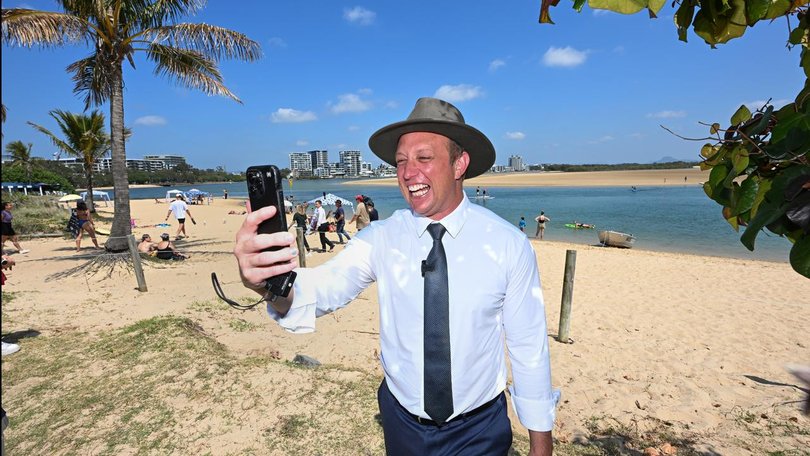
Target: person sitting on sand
{"x": 85, "y": 225}
{"x": 146, "y": 245}
{"x": 166, "y": 250}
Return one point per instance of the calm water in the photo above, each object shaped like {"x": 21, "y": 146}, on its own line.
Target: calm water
{"x": 672, "y": 219}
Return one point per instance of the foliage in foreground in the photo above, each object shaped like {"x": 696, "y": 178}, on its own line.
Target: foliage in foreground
{"x": 760, "y": 168}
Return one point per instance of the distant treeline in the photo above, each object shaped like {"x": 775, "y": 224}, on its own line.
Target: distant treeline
{"x": 616, "y": 167}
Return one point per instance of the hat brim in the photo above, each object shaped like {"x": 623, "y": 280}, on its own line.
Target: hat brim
{"x": 481, "y": 151}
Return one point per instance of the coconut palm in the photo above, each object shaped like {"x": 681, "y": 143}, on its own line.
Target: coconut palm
{"x": 115, "y": 30}
{"x": 21, "y": 156}
{"x": 85, "y": 138}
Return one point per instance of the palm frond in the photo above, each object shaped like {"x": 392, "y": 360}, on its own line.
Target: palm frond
{"x": 26, "y": 27}
{"x": 94, "y": 78}
{"x": 61, "y": 145}
{"x": 190, "y": 68}
{"x": 212, "y": 41}
{"x": 145, "y": 14}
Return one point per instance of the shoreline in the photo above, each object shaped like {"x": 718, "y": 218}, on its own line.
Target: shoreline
{"x": 623, "y": 178}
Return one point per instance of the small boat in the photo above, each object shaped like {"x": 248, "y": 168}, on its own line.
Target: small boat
{"x": 616, "y": 239}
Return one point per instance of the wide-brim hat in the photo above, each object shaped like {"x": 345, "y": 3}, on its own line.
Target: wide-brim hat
{"x": 436, "y": 116}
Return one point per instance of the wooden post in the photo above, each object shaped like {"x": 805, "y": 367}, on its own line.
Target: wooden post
{"x": 136, "y": 261}
{"x": 302, "y": 251}
{"x": 567, "y": 295}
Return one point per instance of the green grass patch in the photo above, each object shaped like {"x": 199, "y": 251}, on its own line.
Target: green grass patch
{"x": 240, "y": 325}
{"x": 38, "y": 214}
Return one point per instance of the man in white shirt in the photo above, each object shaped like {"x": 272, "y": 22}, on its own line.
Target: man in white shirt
{"x": 454, "y": 281}
{"x": 180, "y": 209}
{"x": 323, "y": 227}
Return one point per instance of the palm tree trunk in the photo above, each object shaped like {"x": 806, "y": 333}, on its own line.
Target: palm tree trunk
{"x": 120, "y": 226}
{"x": 89, "y": 175}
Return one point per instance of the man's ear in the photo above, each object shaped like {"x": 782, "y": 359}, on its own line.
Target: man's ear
{"x": 461, "y": 164}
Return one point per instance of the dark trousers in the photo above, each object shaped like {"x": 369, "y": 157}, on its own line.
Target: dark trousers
{"x": 487, "y": 433}
{"x": 325, "y": 241}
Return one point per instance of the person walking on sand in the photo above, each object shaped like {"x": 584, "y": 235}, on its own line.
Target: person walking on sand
{"x": 340, "y": 222}
{"x": 7, "y": 229}
{"x": 361, "y": 217}
{"x": 541, "y": 224}
{"x": 180, "y": 210}
{"x": 85, "y": 225}
{"x": 443, "y": 266}
{"x": 323, "y": 227}
{"x": 300, "y": 219}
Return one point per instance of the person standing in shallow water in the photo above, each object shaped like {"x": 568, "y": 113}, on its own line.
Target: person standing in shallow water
{"x": 541, "y": 224}
{"x": 443, "y": 392}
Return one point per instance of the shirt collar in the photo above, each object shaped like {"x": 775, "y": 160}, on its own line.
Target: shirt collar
{"x": 453, "y": 222}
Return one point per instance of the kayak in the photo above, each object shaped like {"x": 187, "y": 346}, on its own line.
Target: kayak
{"x": 574, "y": 226}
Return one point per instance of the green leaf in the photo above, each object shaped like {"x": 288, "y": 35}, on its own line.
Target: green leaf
{"x": 717, "y": 176}
{"x": 764, "y": 186}
{"x": 800, "y": 256}
{"x": 745, "y": 196}
{"x": 789, "y": 121}
{"x": 578, "y": 4}
{"x": 714, "y": 128}
{"x": 797, "y": 35}
{"x": 756, "y": 10}
{"x": 740, "y": 160}
{"x": 707, "y": 150}
{"x": 774, "y": 205}
{"x": 719, "y": 25}
{"x": 683, "y": 18}
{"x": 777, "y": 8}
{"x": 619, "y": 6}
{"x": 742, "y": 115}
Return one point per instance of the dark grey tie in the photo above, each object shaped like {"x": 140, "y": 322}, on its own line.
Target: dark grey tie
{"x": 438, "y": 383}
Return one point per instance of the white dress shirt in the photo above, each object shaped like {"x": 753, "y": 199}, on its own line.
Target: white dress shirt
{"x": 495, "y": 295}
{"x": 321, "y": 215}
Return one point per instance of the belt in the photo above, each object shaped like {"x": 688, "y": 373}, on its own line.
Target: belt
{"x": 473, "y": 412}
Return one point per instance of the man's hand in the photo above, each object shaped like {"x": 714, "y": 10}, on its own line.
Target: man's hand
{"x": 540, "y": 443}
{"x": 8, "y": 263}
{"x": 255, "y": 265}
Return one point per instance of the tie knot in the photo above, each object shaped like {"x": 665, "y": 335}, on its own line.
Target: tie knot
{"x": 436, "y": 231}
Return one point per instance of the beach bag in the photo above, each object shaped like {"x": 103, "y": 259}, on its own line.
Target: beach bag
{"x": 73, "y": 224}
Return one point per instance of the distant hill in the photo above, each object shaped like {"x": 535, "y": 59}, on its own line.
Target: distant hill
{"x": 669, "y": 159}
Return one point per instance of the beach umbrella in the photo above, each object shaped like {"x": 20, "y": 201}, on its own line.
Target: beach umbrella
{"x": 330, "y": 199}
{"x": 70, "y": 197}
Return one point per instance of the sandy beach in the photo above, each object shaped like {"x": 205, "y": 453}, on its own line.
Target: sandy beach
{"x": 693, "y": 345}
{"x": 654, "y": 177}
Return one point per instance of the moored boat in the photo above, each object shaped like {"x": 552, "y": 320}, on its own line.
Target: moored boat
{"x": 616, "y": 239}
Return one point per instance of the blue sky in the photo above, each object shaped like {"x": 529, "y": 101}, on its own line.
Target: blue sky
{"x": 593, "y": 88}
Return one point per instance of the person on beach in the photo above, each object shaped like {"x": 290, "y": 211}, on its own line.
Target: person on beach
{"x": 477, "y": 192}
{"x": 225, "y": 193}
{"x": 522, "y": 224}
{"x": 360, "y": 218}
{"x": 85, "y": 225}
{"x": 300, "y": 219}
{"x": 165, "y": 250}
{"x": 443, "y": 320}
{"x": 146, "y": 245}
{"x": 340, "y": 222}
{"x": 373, "y": 215}
{"x": 7, "y": 229}
{"x": 323, "y": 227}
{"x": 541, "y": 224}
{"x": 180, "y": 210}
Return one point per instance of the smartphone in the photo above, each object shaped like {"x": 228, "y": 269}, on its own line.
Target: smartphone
{"x": 264, "y": 189}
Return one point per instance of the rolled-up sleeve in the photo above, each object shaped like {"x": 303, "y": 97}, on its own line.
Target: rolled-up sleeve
{"x": 533, "y": 397}
{"x": 328, "y": 287}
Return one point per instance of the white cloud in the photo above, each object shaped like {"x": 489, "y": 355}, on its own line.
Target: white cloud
{"x": 289, "y": 115}
{"x": 603, "y": 139}
{"x": 277, "y": 42}
{"x": 391, "y": 104}
{"x": 564, "y": 57}
{"x": 353, "y": 128}
{"x": 151, "y": 121}
{"x": 359, "y": 15}
{"x": 517, "y": 135}
{"x": 456, "y": 93}
{"x": 350, "y": 102}
{"x": 600, "y": 12}
{"x": 635, "y": 135}
{"x": 495, "y": 64}
{"x": 666, "y": 114}
{"x": 302, "y": 142}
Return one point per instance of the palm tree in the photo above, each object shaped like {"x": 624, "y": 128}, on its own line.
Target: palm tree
{"x": 85, "y": 138}
{"x": 21, "y": 156}
{"x": 115, "y": 30}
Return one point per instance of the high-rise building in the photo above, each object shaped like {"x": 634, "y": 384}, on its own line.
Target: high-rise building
{"x": 320, "y": 159}
{"x": 301, "y": 164}
{"x": 516, "y": 163}
{"x": 351, "y": 162}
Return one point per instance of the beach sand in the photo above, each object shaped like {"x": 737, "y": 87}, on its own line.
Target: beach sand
{"x": 697, "y": 345}
{"x": 648, "y": 177}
